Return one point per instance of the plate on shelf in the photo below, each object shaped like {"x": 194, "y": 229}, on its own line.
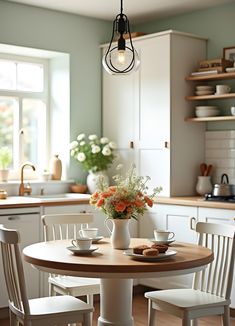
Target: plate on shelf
{"x": 204, "y": 88}
{"x": 167, "y": 242}
{"x": 97, "y": 239}
{"x": 78, "y": 251}
{"x": 201, "y": 93}
{"x": 165, "y": 255}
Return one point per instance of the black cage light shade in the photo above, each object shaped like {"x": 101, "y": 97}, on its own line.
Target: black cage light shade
{"x": 119, "y": 57}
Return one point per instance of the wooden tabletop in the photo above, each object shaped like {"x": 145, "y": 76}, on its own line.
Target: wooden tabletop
{"x": 53, "y": 256}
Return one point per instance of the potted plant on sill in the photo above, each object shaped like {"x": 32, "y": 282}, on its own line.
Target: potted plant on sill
{"x": 5, "y": 161}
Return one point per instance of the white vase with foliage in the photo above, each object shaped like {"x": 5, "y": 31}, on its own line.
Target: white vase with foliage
{"x": 95, "y": 155}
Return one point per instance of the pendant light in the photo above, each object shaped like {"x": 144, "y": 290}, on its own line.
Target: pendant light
{"x": 121, "y": 58}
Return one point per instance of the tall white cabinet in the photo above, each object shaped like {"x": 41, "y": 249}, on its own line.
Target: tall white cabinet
{"x": 144, "y": 112}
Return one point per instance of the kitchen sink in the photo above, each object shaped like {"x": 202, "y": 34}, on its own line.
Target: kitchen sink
{"x": 65, "y": 196}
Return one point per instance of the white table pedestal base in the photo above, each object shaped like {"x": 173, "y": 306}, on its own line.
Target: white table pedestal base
{"x": 116, "y": 302}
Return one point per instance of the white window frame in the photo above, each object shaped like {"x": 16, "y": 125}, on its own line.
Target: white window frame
{"x": 44, "y": 96}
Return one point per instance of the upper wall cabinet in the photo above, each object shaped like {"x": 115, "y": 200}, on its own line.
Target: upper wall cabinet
{"x": 144, "y": 112}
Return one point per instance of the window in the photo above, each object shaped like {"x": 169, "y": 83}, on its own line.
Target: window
{"x": 24, "y": 109}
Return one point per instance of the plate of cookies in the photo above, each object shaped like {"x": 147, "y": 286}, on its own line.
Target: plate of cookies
{"x": 154, "y": 252}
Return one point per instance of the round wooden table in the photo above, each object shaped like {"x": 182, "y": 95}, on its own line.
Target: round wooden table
{"x": 116, "y": 270}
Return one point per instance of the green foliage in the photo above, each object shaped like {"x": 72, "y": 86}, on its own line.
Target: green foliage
{"x": 5, "y": 157}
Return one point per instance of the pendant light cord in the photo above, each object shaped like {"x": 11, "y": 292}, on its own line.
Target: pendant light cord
{"x": 121, "y": 7}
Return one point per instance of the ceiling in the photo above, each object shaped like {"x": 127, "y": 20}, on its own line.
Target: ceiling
{"x": 138, "y": 11}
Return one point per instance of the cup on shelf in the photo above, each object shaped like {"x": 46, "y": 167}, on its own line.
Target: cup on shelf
{"x": 163, "y": 235}
{"x": 232, "y": 110}
{"x": 88, "y": 233}
{"x": 222, "y": 89}
{"x": 82, "y": 243}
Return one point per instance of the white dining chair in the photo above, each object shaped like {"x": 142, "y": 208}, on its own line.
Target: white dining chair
{"x": 211, "y": 289}
{"x": 45, "y": 311}
{"x": 66, "y": 226}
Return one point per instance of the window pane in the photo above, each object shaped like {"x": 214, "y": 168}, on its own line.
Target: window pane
{"x": 7, "y": 74}
{"x": 29, "y": 77}
{"x": 8, "y": 108}
{"x": 34, "y": 127}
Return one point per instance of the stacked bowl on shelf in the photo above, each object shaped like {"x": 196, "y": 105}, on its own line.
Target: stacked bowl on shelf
{"x": 204, "y": 111}
{"x": 205, "y": 90}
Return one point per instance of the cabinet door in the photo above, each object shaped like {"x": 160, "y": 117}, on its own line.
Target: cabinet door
{"x": 224, "y": 216}
{"x": 28, "y": 226}
{"x": 119, "y": 97}
{"x": 153, "y": 132}
{"x": 177, "y": 219}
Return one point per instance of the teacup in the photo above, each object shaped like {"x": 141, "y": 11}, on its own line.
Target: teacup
{"x": 222, "y": 89}
{"x": 82, "y": 243}
{"x": 88, "y": 233}
{"x": 163, "y": 235}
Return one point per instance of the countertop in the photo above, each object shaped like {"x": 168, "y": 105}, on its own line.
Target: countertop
{"x": 50, "y": 200}
{"x": 76, "y": 199}
{"x": 194, "y": 201}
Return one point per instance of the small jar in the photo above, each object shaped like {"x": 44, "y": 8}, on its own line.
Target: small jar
{"x": 204, "y": 185}
{"x": 3, "y": 194}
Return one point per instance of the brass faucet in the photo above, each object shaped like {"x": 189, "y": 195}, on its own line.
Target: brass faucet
{"x": 25, "y": 189}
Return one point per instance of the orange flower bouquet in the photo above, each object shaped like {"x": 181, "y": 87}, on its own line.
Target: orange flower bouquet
{"x": 127, "y": 199}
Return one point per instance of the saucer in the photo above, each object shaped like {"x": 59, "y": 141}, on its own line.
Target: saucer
{"x": 161, "y": 242}
{"x": 78, "y": 251}
{"x": 167, "y": 254}
{"x": 97, "y": 239}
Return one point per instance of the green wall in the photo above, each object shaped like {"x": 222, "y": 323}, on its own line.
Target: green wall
{"x": 218, "y": 25}
{"x": 76, "y": 35}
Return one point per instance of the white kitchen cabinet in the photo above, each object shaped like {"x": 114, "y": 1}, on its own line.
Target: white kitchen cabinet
{"x": 144, "y": 112}
{"x": 174, "y": 218}
{"x": 26, "y": 221}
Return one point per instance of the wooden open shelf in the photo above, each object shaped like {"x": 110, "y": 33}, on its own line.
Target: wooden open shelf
{"x": 227, "y": 75}
{"x": 218, "y": 118}
{"x": 210, "y": 97}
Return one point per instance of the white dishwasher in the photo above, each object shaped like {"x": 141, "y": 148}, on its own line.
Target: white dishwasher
{"x": 27, "y": 222}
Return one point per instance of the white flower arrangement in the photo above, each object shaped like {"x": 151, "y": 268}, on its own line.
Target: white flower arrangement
{"x": 94, "y": 154}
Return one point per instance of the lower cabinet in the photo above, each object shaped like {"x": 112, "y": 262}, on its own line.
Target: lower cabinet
{"x": 26, "y": 221}
{"x": 176, "y": 218}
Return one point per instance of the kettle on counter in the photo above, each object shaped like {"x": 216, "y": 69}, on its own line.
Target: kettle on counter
{"x": 223, "y": 188}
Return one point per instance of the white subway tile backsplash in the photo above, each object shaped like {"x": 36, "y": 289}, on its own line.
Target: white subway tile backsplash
{"x": 220, "y": 151}
{"x": 220, "y": 134}
{"x": 220, "y": 143}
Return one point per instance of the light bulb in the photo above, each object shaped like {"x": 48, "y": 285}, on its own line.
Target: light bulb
{"x": 121, "y": 57}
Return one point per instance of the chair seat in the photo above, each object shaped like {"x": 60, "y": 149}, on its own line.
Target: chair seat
{"x": 77, "y": 286}
{"x": 55, "y": 306}
{"x": 186, "y": 298}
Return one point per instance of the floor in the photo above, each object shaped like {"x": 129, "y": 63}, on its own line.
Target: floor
{"x": 140, "y": 316}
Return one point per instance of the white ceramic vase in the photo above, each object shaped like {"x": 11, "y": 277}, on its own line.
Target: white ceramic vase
{"x": 204, "y": 185}
{"x": 93, "y": 178}
{"x": 120, "y": 235}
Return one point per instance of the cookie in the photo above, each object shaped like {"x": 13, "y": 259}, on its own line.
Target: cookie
{"x": 151, "y": 252}
{"x": 160, "y": 247}
{"x": 139, "y": 249}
